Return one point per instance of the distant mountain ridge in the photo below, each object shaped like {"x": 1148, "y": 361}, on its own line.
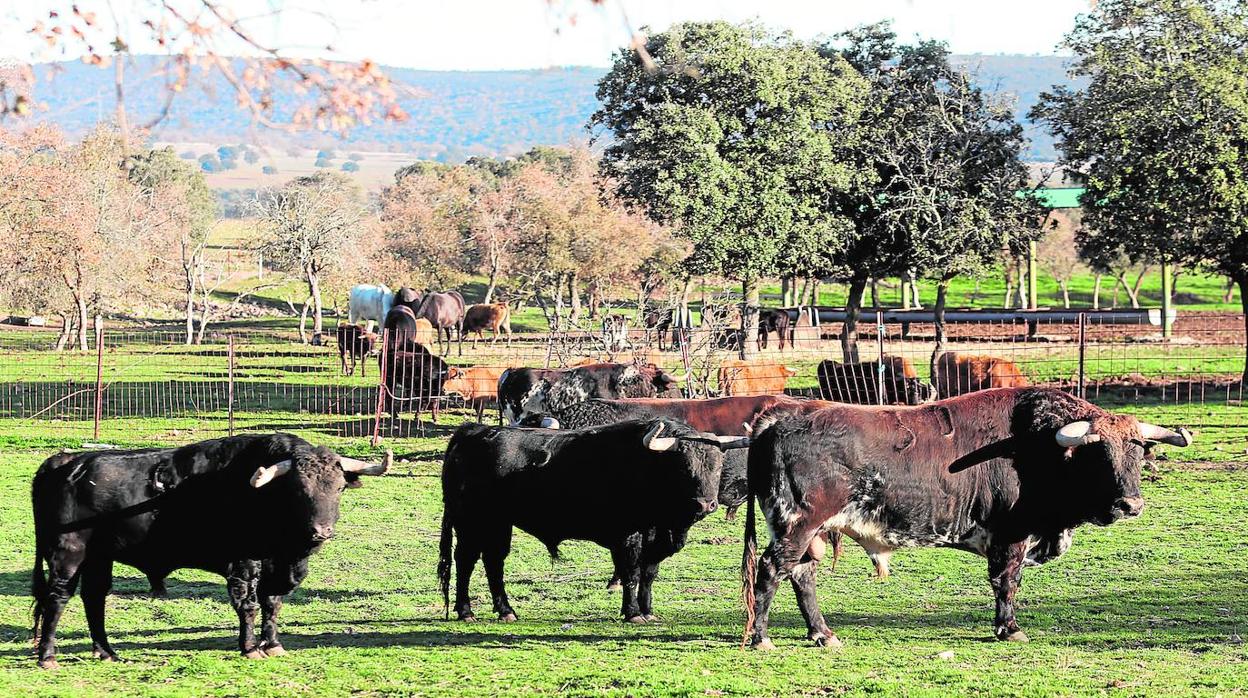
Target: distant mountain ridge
{"x": 457, "y": 115}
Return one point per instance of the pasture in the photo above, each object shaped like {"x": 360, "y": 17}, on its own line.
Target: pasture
{"x": 1149, "y": 606}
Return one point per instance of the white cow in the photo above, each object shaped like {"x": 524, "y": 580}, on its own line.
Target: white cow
{"x": 369, "y": 302}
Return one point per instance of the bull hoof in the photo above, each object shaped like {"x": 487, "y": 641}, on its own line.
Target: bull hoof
{"x": 254, "y": 653}
{"x": 467, "y": 618}
{"x": 273, "y": 650}
{"x": 105, "y": 656}
{"x": 651, "y": 618}
{"x": 830, "y": 641}
{"x": 1015, "y": 636}
{"x": 764, "y": 644}
{"x": 614, "y": 585}
{"x": 636, "y": 620}
{"x": 507, "y": 617}
{"x": 49, "y": 663}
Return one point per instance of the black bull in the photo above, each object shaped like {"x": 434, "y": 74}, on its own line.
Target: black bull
{"x": 251, "y": 508}
{"x": 634, "y": 488}
{"x": 1006, "y": 473}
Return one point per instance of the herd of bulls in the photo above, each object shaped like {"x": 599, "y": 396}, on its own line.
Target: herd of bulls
{"x": 601, "y": 453}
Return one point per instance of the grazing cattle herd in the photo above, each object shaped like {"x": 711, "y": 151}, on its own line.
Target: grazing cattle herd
{"x": 614, "y": 454}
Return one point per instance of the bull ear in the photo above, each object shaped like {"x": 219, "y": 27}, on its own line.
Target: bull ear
{"x": 1076, "y": 434}
{"x": 265, "y": 474}
{"x": 654, "y": 442}
{"x": 359, "y": 467}
{"x": 1152, "y": 432}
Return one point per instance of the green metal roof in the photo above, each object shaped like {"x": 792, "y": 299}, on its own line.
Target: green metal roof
{"x": 1060, "y": 197}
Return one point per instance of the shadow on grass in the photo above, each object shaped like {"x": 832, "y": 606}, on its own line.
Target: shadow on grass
{"x": 1194, "y": 614}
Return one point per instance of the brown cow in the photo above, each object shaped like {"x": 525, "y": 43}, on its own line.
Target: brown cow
{"x": 476, "y": 384}
{"x": 738, "y": 377}
{"x": 487, "y": 316}
{"x": 958, "y": 374}
{"x": 354, "y": 343}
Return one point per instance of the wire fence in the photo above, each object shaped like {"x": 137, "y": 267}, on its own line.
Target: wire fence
{"x": 144, "y": 386}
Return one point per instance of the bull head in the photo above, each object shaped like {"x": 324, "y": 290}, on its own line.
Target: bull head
{"x": 1080, "y": 433}
{"x": 266, "y": 474}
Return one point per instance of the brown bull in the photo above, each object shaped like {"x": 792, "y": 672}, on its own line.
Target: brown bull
{"x": 958, "y": 374}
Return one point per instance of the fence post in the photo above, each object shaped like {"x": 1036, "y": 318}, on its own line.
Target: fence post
{"x": 99, "y": 374}
{"x": 879, "y": 370}
{"x": 1083, "y": 345}
{"x": 229, "y": 392}
{"x": 381, "y": 390}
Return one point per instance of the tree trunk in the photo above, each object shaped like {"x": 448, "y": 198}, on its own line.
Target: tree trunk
{"x": 1096, "y": 292}
{"x": 1119, "y": 282}
{"x": 785, "y": 291}
{"x": 314, "y": 288}
{"x": 1134, "y": 291}
{"x": 814, "y": 290}
{"x": 574, "y": 297}
{"x": 66, "y": 330}
{"x": 942, "y": 290}
{"x": 189, "y": 270}
{"x": 749, "y": 318}
{"x": 303, "y": 320}
{"x": 119, "y": 84}
{"x": 802, "y": 295}
{"x": 974, "y": 293}
{"x": 1062, "y": 284}
{"x": 1022, "y": 283}
{"x": 493, "y": 283}
{"x": 81, "y": 302}
{"x": 1229, "y": 295}
{"x": 915, "y": 302}
{"x": 849, "y": 332}
{"x": 685, "y": 289}
{"x": 875, "y": 293}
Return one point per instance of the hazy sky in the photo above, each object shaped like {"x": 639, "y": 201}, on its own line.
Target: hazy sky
{"x": 513, "y": 34}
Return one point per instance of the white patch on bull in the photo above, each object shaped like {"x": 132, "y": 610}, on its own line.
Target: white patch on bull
{"x": 532, "y": 402}
{"x": 977, "y": 541}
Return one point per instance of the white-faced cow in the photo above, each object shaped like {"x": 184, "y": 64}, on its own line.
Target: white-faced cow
{"x": 541, "y": 391}
{"x": 634, "y": 488}
{"x": 251, "y": 508}
{"x": 369, "y": 303}
{"x": 1006, "y": 473}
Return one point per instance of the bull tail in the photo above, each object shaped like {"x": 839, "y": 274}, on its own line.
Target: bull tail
{"x": 837, "y": 549}
{"x": 444, "y": 563}
{"x": 39, "y": 590}
{"x": 748, "y": 567}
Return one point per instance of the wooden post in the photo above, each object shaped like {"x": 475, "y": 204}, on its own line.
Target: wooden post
{"x": 905, "y": 292}
{"x": 99, "y": 373}
{"x": 1167, "y": 290}
{"x": 229, "y": 391}
{"x": 1031, "y": 276}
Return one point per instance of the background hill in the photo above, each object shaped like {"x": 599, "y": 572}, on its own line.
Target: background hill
{"x": 454, "y": 115}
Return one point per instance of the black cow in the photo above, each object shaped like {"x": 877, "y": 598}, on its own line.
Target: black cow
{"x": 445, "y": 311}
{"x": 634, "y": 488}
{"x": 1006, "y": 473}
{"x": 859, "y": 383}
{"x": 251, "y": 508}
{"x": 772, "y": 320}
{"x": 536, "y": 391}
{"x": 407, "y": 296}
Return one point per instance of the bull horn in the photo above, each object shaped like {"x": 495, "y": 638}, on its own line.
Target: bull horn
{"x": 359, "y": 467}
{"x": 1152, "y": 432}
{"x": 654, "y": 442}
{"x": 550, "y": 423}
{"x": 727, "y": 442}
{"x": 265, "y": 474}
{"x": 1076, "y": 434}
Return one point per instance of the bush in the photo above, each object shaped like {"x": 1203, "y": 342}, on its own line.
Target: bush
{"x": 187, "y": 155}
{"x": 326, "y": 155}
{"x": 323, "y": 162}
{"x": 269, "y": 170}
{"x": 227, "y": 152}
{"x": 208, "y": 162}
{"x": 350, "y": 166}
{"x": 250, "y": 156}
{"x": 355, "y": 156}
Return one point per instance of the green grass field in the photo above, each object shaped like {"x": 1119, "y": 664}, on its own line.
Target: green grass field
{"x": 1152, "y": 606}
